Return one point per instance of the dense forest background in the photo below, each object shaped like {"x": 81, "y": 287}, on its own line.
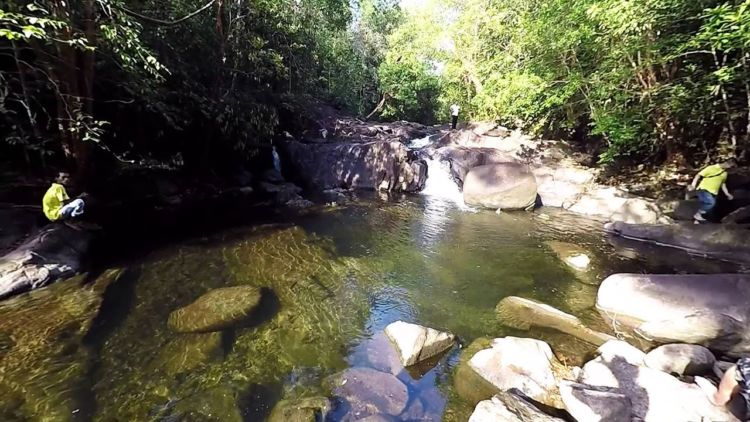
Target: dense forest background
{"x": 207, "y": 84}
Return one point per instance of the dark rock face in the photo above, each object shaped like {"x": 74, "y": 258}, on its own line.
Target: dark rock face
{"x": 382, "y": 165}
{"x": 726, "y": 242}
{"x": 710, "y": 310}
{"x": 56, "y": 251}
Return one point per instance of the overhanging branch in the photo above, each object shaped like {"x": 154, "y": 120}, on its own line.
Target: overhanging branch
{"x": 163, "y": 22}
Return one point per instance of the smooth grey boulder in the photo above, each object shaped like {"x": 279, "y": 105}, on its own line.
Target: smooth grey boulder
{"x": 416, "y": 343}
{"x": 509, "y": 406}
{"x": 523, "y": 314}
{"x": 522, "y": 363}
{"x": 621, "y": 350}
{"x": 506, "y": 186}
{"x": 216, "y": 310}
{"x": 55, "y": 252}
{"x": 681, "y": 359}
{"x": 721, "y": 241}
{"x": 655, "y": 395}
{"x": 711, "y": 310}
{"x": 588, "y": 403}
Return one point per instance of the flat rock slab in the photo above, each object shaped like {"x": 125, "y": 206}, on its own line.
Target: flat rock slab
{"x": 587, "y": 403}
{"x": 216, "y": 310}
{"x": 711, "y": 310}
{"x": 681, "y": 359}
{"x": 416, "y": 343}
{"x": 510, "y": 406}
{"x": 655, "y": 395}
{"x": 522, "y": 363}
{"x": 371, "y": 392}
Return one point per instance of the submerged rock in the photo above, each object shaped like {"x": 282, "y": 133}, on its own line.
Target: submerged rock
{"x": 218, "y": 404}
{"x": 710, "y": 310}
{"x": 574, "y": 256}
{"x": 55, "y": 252}
{"x": 523, "y": 314}
{"x": 587, "y": 403}
{"x": 416, "y": 343}
{"x": 508, "y": 186}
{"x": 469, "y": 385}
{"x": 522, "y": 363}
{"x": 370, "y": 392}
{"x": 309, "y": 409}
{"x": 728, "y": 242}
{"x": 216, "y": 310}
{"x": 189, "y": 351}
{"x": 510, "y": 406}
{"x": 681, "y": 359}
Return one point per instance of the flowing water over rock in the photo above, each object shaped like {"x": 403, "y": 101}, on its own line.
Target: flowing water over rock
{"x": 330, "y": 282}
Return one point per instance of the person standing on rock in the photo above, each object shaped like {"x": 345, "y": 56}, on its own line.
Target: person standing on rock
{"x": 454, "y": 115}
{"x": 56, "y": 203}
{"x": 712, "y": 179}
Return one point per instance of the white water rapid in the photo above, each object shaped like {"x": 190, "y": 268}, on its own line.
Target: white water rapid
{"x": 276, "y": 160}
{"x": 440, "y": 183}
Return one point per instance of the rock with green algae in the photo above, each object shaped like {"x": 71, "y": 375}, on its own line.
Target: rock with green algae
{"x": 309, "y": 409}
{"x": 218, "y": 404}
{"x": 216, "y": 310}
{"x": 469, "y": 385}
{"x": 188, "y": 352}
{"x": 314, "y": 302}
{"x": 44, "y": 359}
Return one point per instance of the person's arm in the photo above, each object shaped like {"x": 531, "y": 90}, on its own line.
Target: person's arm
{"x": 727, "y": 387}
{"x": 726, "y": 191}
{"x": 694, "y": 185}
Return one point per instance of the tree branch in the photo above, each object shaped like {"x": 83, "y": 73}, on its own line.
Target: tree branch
{"x": 163, "y": 22}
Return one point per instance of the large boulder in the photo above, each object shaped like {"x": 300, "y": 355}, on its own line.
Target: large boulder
{"x": 587, "y": 403}
{"x": 523, "y": 314}
{"x": 463, "y": 159}
{"x": 188, "y": 352}
{"x": 469, "y": 385}
{"x": 681, "y": 359}
{"x": 621, "y": 350}
{"x": 655, "y": 395}
{"x": 522, "y": 363}
{"x": 616, "y": 205}
{"x": 728, "y": 242}
{"x": 416, "y": 343}
{"x": 370, "y": 392}
{"x": 378, "y": 165}
{"x": 55, "y": 252}
{"x": 510, "y": 406}
{"x": 562, "y": 183}
{"x": 216, "y": 310}
{"x": 500, "y": 186}
{"x": 710, "y": 310}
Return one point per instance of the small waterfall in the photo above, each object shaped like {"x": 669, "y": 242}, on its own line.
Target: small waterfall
{"x": 276, "y": 160}
{"x": 440, "y": 183}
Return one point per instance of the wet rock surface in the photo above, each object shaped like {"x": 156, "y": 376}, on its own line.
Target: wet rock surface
{"x": 509, "y": 406}
{"x": 369, "y": 392}
{"x": 681, "y": 359}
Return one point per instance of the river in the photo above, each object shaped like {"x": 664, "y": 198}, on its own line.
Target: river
{"x": 334, "y": 278}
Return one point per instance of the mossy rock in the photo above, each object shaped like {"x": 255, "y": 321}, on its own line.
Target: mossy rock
{"x": 215, "y": 404}
{"x": 302, "y": 410}
{"x": 216, "y": 310}
{"x": 188, "y": 352}
{"x": 469, "y": 385}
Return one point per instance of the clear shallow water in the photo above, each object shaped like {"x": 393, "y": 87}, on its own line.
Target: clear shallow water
{"x": 333, "y": 279}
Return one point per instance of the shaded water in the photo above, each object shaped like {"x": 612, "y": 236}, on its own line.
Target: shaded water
{"x": 332, "y": 279}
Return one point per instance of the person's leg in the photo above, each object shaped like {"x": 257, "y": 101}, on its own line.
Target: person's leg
{"x": 72, "y": 209}
{"x": 454, "y": 121}
{"x": 707, "y": 203}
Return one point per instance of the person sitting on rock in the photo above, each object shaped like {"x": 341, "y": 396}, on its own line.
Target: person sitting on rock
{"x": 735, "y": 380}
{"x": 56, "y": 203}
{"x": 712, "y": 179}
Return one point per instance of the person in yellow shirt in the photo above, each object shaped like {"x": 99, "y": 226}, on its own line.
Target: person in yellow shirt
{"x": 712, "y": 179}
{"x": 56, "y": 203}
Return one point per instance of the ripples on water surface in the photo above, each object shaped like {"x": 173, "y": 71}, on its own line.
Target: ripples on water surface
{"x": 338, "y": 277}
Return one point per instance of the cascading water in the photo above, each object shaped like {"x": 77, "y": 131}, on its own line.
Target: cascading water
{"x": 276, "y": 160}
{"x": 440, "y": 183}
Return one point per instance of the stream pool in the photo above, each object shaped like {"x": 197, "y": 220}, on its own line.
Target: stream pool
{"x": 333, "y": 278}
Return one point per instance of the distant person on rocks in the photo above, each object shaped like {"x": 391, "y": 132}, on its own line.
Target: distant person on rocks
{"x": 454, "y": 115}
{"x": 735, "y": 380}
{"x": 712, "y": 179}
{"x": 56, "y": 203}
